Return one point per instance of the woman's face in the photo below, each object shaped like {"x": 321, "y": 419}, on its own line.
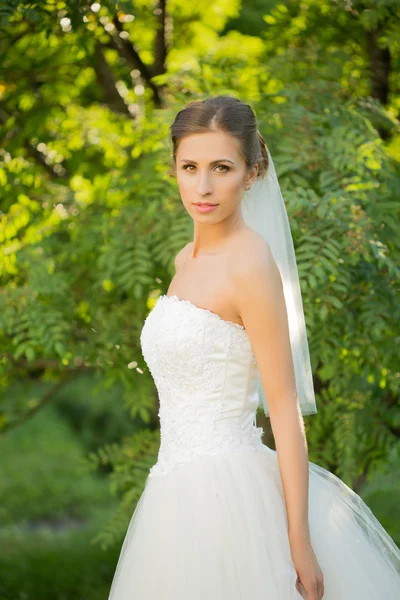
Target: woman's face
{"x": 209, "y": 168}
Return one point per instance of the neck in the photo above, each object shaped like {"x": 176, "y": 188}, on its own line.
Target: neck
{"x": 210, "y": 238}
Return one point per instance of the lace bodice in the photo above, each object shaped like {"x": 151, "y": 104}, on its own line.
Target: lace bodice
{"x": 207, "y": 380}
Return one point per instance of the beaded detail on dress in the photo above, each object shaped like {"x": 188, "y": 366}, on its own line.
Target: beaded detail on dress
{"x": 206, "y": 376}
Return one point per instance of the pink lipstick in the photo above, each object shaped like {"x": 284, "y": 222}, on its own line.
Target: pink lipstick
{"x": 205, "y": 208}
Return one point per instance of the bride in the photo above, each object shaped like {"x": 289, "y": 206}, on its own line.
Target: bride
{"x": 223, "y": 516}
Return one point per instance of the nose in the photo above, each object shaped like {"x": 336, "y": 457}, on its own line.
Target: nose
{"x": 204, "y": 185}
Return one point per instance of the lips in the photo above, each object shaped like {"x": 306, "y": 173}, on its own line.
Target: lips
{"x": 204, "y": 204}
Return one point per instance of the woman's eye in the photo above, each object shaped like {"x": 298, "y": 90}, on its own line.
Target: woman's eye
{"x": 186, "y": 167}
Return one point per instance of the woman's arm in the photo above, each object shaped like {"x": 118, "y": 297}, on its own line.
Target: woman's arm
{"x": 259, "y": 298}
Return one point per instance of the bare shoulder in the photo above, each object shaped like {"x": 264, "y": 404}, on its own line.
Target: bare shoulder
{"x": 259, "y": 299}
{"x": 181, "y": 256}
{"x": 252, "y": 263}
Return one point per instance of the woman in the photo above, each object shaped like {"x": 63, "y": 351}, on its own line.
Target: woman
{"x": 222, "y": 515}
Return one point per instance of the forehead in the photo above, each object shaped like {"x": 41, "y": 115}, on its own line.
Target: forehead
{"x": 209, "y": 146}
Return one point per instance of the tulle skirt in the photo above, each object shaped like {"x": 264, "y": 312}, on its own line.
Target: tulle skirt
{"x": 216, "y": 529}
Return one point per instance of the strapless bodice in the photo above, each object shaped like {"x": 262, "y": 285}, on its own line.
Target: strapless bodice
{"x": 207, "y": 380}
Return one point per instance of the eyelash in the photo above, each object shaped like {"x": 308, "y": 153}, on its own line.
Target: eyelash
{"x": 224, "y": 166}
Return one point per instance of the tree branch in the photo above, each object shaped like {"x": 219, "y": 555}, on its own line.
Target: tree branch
{"x": 380, "y": 67}
{"x": 160, "y": 45}
{"x": 106, "y": 81}
{"x": 126, "y": 50}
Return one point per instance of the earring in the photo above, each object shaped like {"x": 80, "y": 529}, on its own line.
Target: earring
{"x": 247, "y": 187}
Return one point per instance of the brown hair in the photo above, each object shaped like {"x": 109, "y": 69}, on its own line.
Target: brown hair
{"x": 227, "y": 114}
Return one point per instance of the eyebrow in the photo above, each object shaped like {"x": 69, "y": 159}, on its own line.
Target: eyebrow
{"x": 212, "y": 163}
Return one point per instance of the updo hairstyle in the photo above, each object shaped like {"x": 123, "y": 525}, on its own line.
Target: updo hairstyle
{"x": 222, "y": 113}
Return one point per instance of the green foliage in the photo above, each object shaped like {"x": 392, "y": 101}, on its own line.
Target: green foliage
{"x": 95, "y": 412}
{"x": 382, "y": 493}
{"x": 50, "y": 513}
{"x": 56, "y": 565}
{"x": 36, "y": 483}
{"x": 130, "y": 462}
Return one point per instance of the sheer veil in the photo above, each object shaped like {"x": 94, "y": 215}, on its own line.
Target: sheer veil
{"x": 263, "y": 209}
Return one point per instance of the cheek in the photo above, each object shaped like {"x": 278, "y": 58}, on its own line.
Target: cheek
{"x": 184, "y": 183}
{"x": 235, "y": 184}
{"x": 185, "y": 188}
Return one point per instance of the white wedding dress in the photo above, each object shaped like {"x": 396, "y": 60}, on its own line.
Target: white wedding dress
{"x": 211, "y": 523}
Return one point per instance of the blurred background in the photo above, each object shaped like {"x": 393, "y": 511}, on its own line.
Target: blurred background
{"x": 90, "y": 223}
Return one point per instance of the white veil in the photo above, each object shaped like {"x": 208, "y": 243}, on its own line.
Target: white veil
{"x": 263, "y": 209}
